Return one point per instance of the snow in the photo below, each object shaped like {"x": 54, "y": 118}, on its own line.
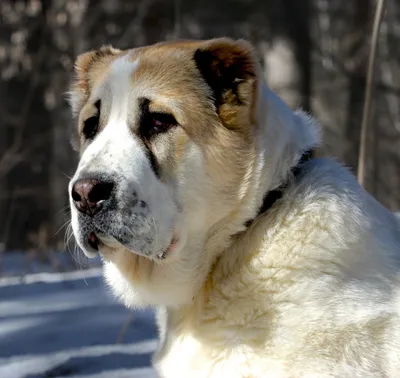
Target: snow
{"x": 67, "y": 324}
{"x": 50, "y": 277}
{"x": 20, "y": 264}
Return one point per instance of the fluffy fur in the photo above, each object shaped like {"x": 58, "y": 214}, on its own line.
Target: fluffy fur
{"x": 310, "y": 289}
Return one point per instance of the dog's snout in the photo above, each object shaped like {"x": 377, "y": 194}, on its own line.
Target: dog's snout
{"x": 89, "y": 194}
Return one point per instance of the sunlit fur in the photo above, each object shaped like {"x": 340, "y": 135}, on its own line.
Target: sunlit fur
{"x": 310, "y": 289}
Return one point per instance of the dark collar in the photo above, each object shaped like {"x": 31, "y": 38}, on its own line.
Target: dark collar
{"x": 274, "y": 195}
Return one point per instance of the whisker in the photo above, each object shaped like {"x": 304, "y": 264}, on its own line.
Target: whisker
{"x": 66, "y": 234}
{"x": 80, "y": 263}
{"x": 64, "y": 209}
{"x": 68, "y": 177}
{"x": 64, "y": 225}
{"x": 75, "y": 254}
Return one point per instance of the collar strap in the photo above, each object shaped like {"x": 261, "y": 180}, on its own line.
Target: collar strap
{"x": 274, "y": 195}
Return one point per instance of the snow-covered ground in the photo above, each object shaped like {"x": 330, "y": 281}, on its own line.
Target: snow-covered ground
{"x": 67, "y": 325}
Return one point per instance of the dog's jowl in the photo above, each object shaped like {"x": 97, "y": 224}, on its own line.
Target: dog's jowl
{"x": 200, "y": 190}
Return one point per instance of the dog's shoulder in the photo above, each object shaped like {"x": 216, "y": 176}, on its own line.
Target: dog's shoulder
{"x": 326, "y": 213}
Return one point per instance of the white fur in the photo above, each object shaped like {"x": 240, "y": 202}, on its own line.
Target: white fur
{"x": 114, "y": 147}
{"x": 311, "y": 289}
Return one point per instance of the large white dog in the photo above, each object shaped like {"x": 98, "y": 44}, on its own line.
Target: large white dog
{"x": 199, "y": 188}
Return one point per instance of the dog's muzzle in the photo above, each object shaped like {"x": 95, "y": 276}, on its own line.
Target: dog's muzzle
{"x": 108, "y": 214}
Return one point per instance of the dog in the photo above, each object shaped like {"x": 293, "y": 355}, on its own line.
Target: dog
{"x": 201, "y": 191}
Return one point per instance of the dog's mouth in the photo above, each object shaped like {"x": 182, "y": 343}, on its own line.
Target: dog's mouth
{"x": 97, "y": 240}
{"x": 94, "y": 241}
{"x": 104, "y": 244}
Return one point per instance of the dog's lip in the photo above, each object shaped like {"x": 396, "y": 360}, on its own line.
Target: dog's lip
{"x": 103, "y": 243}
{"x": 171, "y": 247}
{"x": 107, "y": 240}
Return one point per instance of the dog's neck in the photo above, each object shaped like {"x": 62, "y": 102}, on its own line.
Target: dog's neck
{"x": 274, "y": 195}
{"x": 283, "y": 139}
{"x": 283, "y": 136}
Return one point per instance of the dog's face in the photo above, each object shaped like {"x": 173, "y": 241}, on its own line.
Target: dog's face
{"x": 166, "y": 136}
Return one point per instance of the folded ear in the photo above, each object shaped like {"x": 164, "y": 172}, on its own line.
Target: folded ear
{"x": 86, "y": 66}
{"x": 229, "y": 68}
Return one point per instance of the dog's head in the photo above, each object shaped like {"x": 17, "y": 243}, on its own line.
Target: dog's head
{"x": 167, "y": 136}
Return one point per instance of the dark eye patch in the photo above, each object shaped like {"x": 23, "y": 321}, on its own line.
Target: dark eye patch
{"x": 160, "y": 122}
{"x": 154, "y": 123}
{"x": 151, "y": 124}
{"x": 91, "y": 125}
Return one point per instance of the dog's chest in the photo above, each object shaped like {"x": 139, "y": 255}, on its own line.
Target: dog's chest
{"x": 178, "y": 357}
{"x": 187, "y": 357}
{"x": 212, "y": 348}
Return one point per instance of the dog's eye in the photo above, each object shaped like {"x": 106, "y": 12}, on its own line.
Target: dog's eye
{"x": 91, "y": 125}
{"x": 160, "y": 122}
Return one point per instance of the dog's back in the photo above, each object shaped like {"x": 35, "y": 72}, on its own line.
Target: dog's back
{"x": 340, "y": 312}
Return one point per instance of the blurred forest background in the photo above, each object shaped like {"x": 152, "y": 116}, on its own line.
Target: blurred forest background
{"x": 314, "y": 53}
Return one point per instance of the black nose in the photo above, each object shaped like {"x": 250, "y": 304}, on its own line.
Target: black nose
{"x": 89, "y": 194}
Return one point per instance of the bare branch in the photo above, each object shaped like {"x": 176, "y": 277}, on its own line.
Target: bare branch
{"x": 368, "y": 92}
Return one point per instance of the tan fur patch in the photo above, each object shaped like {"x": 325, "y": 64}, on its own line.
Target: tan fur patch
{"x": 90, "y": 68}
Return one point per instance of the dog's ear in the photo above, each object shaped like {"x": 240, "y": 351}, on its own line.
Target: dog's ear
{"x": 86, "y": 66}
{"x": 229, "y": 68}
